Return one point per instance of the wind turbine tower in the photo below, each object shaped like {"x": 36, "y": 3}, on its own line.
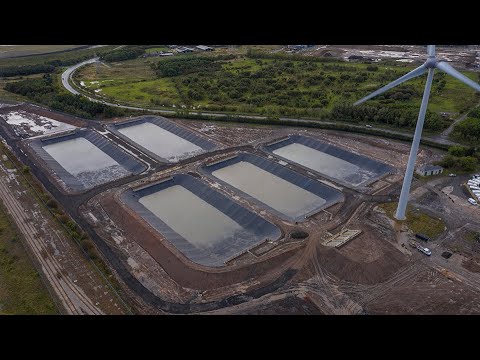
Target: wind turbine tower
{"x": 429, "y": 67}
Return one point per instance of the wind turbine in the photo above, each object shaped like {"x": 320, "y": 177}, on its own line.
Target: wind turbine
{"x": 429, "y": 66}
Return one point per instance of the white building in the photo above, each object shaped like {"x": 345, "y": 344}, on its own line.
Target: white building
{"x": 427, "y": 170}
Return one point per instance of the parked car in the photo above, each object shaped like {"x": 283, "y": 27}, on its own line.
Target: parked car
{"x": 368, "y": 126}
{"x": 472, "y": 201}
{"x": 426, "y": 251}
{"x": 452, "y": 175}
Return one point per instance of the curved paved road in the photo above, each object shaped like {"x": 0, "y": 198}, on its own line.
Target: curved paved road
{"x": 66, "y": 76}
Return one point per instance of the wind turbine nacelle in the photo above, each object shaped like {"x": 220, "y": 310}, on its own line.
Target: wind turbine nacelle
{"x": 431, "y": 63}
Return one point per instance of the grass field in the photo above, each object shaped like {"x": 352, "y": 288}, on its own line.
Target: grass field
{"x": 41, "y": 59}
{"x": 157, "y": 49}
{"x": 7, "y": 95}
{"x": 134, "y": 82}
{"x": 25, "y": 50}
{"x": 417, "y": 221}
{"x": 264, "y": 86}
{"x": 21, "y": 288}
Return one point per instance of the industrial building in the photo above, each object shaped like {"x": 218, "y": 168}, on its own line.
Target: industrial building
{"x": 427, "y": 170}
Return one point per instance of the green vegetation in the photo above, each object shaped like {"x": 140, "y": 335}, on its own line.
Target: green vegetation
{"x": 189, "y": 64}
{"x": 37, "y": 87}
{"x": 11, "y": 71}
{"x": 68, "y": 225}
{"x": 256, "y": 82}
{"x": 126, "y": 53}
{"x": 156, "y": 49}
{"x": 395, "y": 115}
{"x": 30, "y": 50}
{"x": 21, "y": 288}
{"x": 241, "y": 80}
{"x": 60, "y": 59}
{"x": 468, "y": 130}
{"x": 45, "y": 91}
{"x": 7, "y": 95}
{"x": 461, "y": 159}
{"x": 417, "y": 221}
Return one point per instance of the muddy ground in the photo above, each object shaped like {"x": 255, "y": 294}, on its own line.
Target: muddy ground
{"x": 140, "y": 243}
{"x": 372, "y": 273}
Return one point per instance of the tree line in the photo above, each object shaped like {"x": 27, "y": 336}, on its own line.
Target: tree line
{"x": 189, "y": 64}
{"x": 460, "y": 158}
{"x": 44, "y": 91}
{"x": 26, "y": 70}
{"x": 126, "y": 53}
{"x": 398, "y": 116}
{"x": 469, "y": 129}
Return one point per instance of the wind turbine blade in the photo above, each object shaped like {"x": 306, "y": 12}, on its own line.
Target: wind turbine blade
{"x": 412, "y": 74}
{"x": 446, "y": 67}
{"x": 431, "y": 50}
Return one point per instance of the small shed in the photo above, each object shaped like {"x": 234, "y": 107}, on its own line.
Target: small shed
{"x": 427, "y": 170}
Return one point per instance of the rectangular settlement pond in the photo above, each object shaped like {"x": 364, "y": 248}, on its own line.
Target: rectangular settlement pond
{"x": 288, "y": 194}
{"x": 204, "y": 225}
{"x": 84, "y": 159}
{"x": 27, "y": 124}
{"x": 339, "y": 165}
{"x": 161, "y": 138}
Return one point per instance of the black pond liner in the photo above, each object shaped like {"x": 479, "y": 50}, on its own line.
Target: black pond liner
{"x": 330, "y": 195}
{"x": 127, "y": 161}
{"x": 165, "y": 124}
{"x": 376, "y": 168}
{"x": 257, "y": 229}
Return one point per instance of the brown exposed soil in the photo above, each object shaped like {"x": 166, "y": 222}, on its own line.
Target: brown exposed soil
{"x": 471, "y": 266}
{"x": 341, "y": 263}
{"x": 429, "y": 292}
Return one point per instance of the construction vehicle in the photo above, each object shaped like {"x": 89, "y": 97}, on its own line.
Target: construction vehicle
{"x": 426, "y": 251}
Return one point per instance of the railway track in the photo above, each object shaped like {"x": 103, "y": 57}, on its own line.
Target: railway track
{"x": 72, "y": 298}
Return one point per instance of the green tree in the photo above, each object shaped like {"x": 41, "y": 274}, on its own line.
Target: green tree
{"x": 469, "y": 129}
{"x": 448, "y": 161}
{"x": 467, "y": 163}
{"x": 457, "y": 150}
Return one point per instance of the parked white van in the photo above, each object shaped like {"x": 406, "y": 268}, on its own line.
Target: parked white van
{"x": 472, "y": 201}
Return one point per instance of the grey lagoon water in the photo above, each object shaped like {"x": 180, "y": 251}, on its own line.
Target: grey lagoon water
{"x": 191, "y": 217}
{"x": 323, "y": 163}
{"x": 160, "y": 141}
{"x": 281, "y": 195}
{"x": 79, "y": 156}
